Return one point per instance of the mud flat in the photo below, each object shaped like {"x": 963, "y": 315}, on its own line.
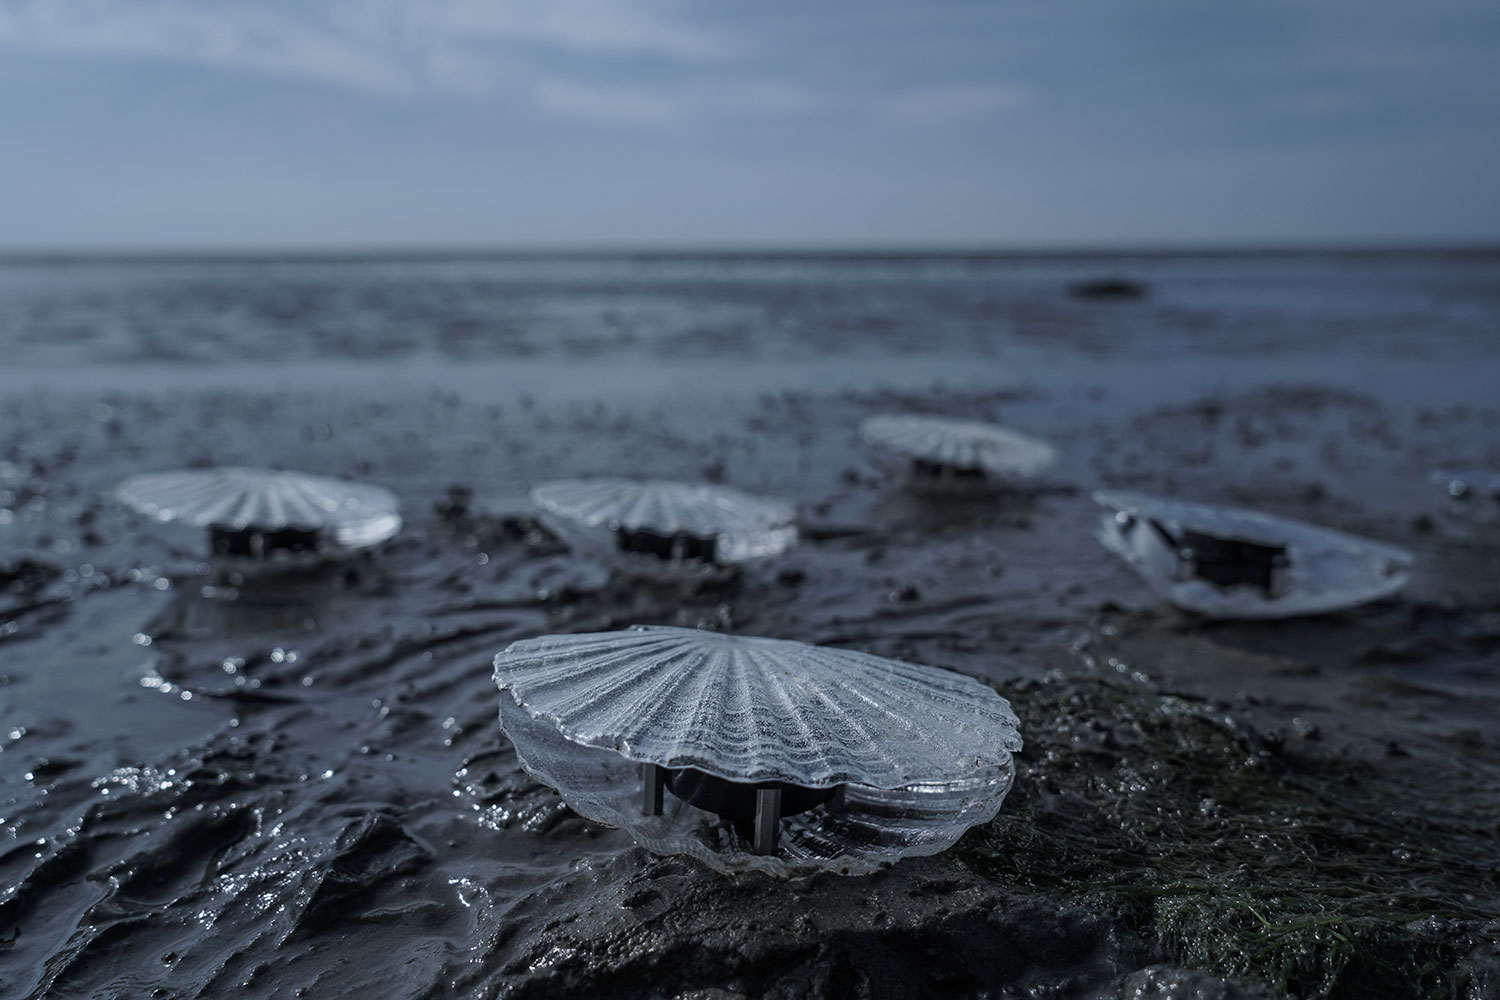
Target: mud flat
{"x": 304, "y": 791}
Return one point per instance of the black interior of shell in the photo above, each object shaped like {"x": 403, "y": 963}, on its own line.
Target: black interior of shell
{"x": 1227, "y": 562}
{"x": 735, "y": 800}
{"x": 923, "y": 468}
{"x": 257, "y": 543}
{"x": 754, "y": 808}
{"x": 668, "y": 547}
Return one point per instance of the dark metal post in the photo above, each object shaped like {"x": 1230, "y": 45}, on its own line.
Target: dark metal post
{"x": 1276, "y": 579}
{"x": 1187, "y": 563}
{"x": 767, "y": 819}
{"x": 653, "y": 781}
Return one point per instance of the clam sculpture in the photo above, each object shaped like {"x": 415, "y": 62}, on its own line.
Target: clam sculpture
{"x": 650, "y": 526}
{"x": 958, "y": 455}
{"x": 1225, "y": 562}
{"x": 261, "y": 516}
{"x": 757, "y": 754}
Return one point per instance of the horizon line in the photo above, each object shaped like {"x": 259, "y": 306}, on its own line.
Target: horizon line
{"x": 746, "y": 250}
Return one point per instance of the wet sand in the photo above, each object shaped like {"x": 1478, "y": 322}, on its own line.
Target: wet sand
{"x": 306, "y": 789}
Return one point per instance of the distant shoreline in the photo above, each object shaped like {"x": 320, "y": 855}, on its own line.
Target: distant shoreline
{"x": 56, "y": 256}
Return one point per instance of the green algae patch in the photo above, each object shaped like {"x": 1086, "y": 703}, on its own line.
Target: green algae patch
{"x": 1275, "y": 862}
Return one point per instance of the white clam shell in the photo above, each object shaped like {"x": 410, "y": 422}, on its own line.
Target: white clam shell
{"x": 923, "y": 754}
{"x": 355, "y": 515}
{"x": 961, "y": 444}
{"x": 753, "y": 709}
{"x": 1327, "y": 570}
{"x": 743, "y": 527}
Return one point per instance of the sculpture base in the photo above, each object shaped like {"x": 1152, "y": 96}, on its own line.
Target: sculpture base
{"x": 928, "y": 471}
{"x": 735, "y": 800}
{"x": 1230, "y": 562}
{"x": 669, "y": 548}
{"x": 257, "y": 543}
{"x": 755, "y": 809}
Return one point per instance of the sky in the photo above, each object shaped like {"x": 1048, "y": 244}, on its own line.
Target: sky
{"x": 705, "y": 123}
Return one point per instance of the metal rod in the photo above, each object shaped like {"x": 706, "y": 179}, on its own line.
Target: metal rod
{"x": 767, "y": 819}
{"x": 1276, "y": 581}
{"x": 653, "y": 780}
{"x": 1187, "y": 563}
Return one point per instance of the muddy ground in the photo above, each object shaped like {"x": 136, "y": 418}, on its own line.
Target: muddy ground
{"x": 304, "y": 791}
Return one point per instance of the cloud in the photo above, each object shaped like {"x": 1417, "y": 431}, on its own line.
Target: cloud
{"x": 631, "y": 27}
{"x": 634, "y": 106}
{"x": 940, "y": 105}
{"x": 249, "y": 38}
{"x": 574, "y": 59}
{"x": 615, "y": 105}
{"x": 385, "y": 47}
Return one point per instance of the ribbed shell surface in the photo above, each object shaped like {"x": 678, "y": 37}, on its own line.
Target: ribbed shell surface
{"x": 655, "y": 505}
{"x": 961, "y": 444}
{"x": 753, "y": 709}
{"x": 234, "y": 497}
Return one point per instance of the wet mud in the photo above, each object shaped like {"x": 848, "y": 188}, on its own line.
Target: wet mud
{"x": 299, "y": 787}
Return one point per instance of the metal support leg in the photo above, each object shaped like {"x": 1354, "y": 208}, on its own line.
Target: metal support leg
{"x": 1276, "y": 583}
{"x": 653, "y": 781}
{"x": 767, "y": 819}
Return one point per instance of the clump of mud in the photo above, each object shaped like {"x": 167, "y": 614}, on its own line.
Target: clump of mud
{"x": 1240, "y": 851}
